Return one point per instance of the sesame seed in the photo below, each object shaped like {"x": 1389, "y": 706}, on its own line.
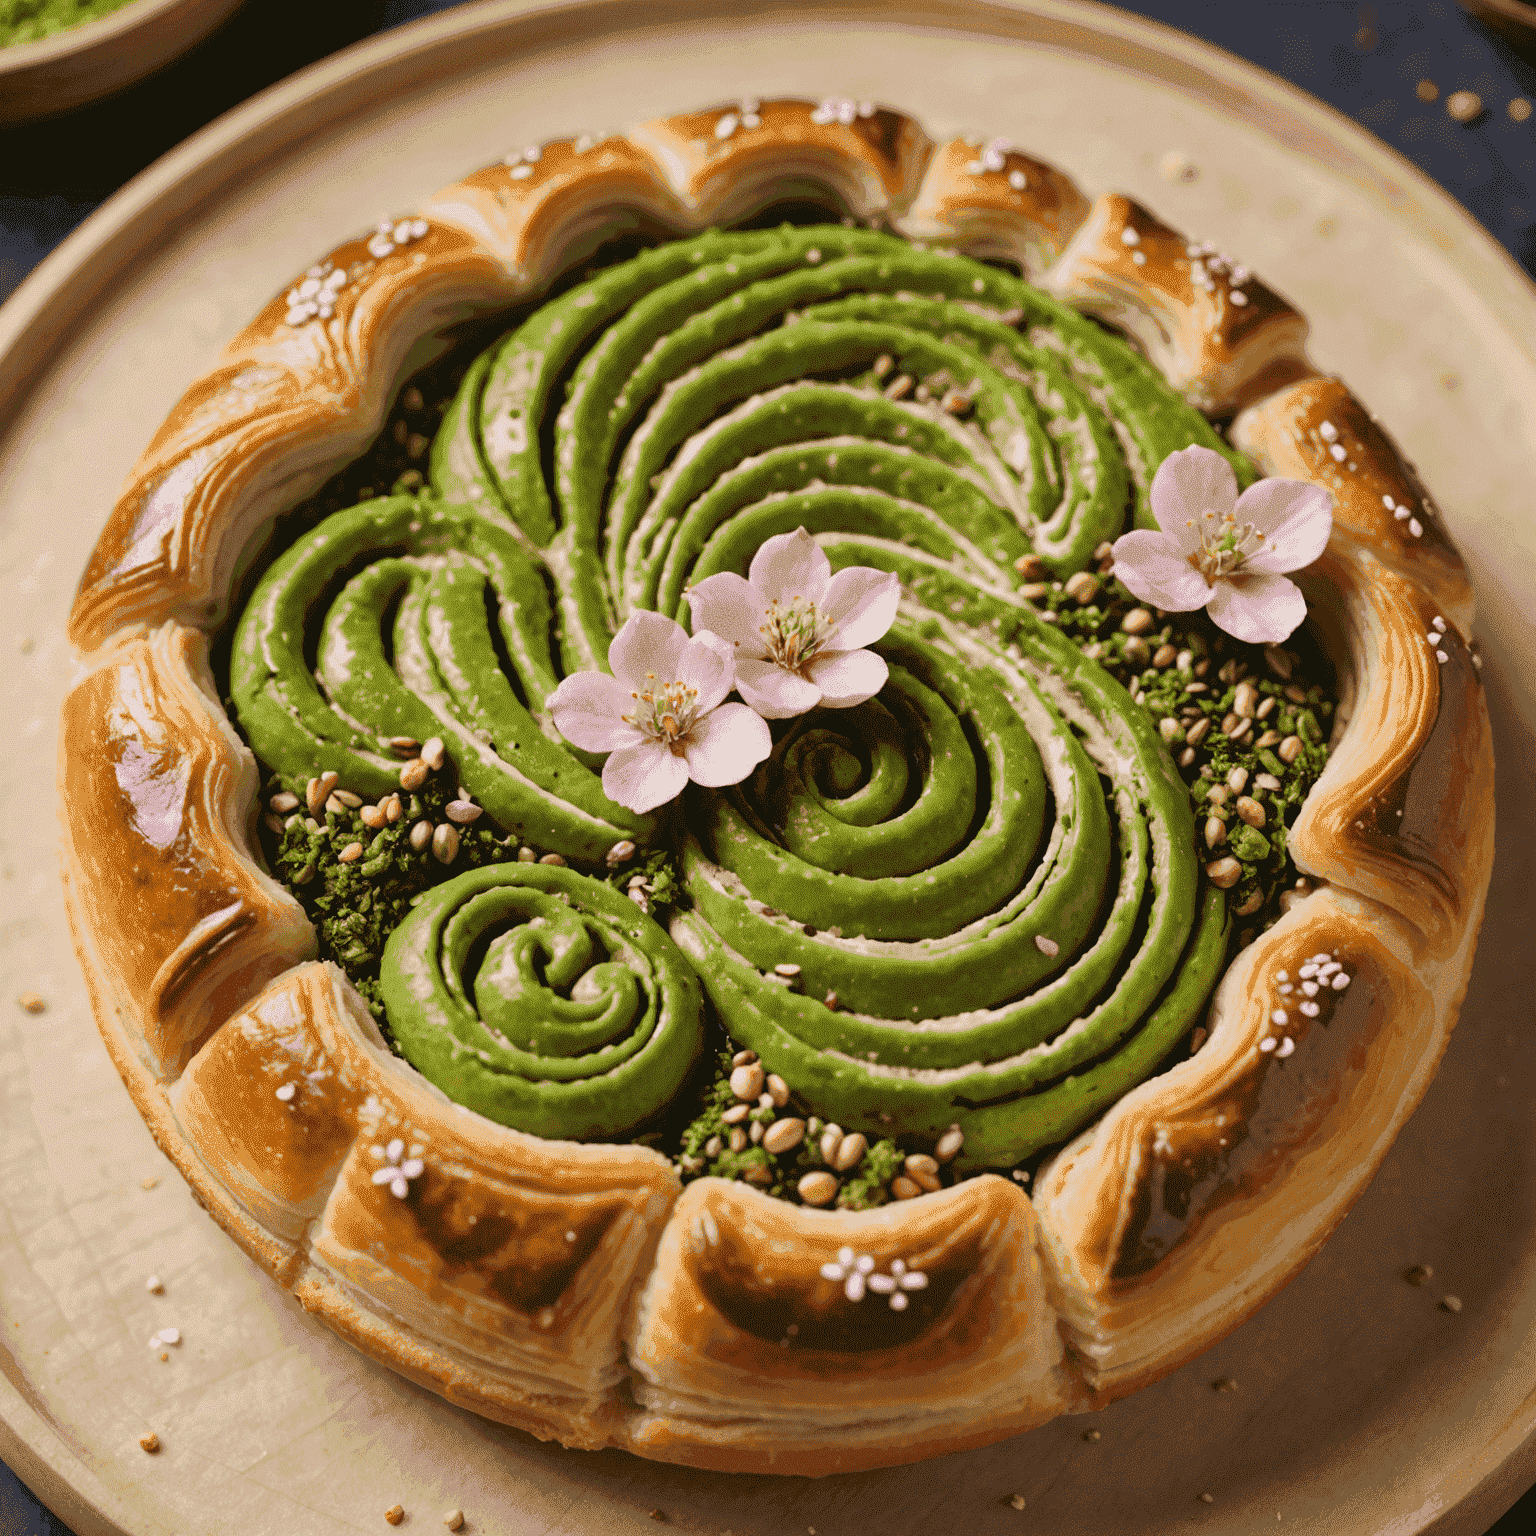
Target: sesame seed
{"x": 155, "y": 1286}
{"x": 1018, "y": 181}
{"x": 1046, "y": 946}
{"x": 149, "y": 1442}
{"x": 394, "y": 1514}
{"x": 1464, "y": 106}
{"x": 1450, "y": 1304}
{"x": 1285, "y": 1048}
{"x": 1177, "y": 166}
{"x": 454, "y": 1519}
{"x": 1426, "y": 90}
{"x": 1267, "y": 1043}
{"x": 31, "y": 1002}
{"x": 287, "y": 1091}
{"x": 1207, "y": 1498}
{"x": 1519, "y": 109}
{"x": 1016, "y": 1501}
{"x": 1418, "y": 1274}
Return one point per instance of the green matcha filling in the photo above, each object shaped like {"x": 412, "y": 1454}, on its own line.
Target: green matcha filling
{"x": 968, "y": 914}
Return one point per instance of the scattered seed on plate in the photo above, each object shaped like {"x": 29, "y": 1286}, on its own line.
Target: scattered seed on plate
{"x": 149, "y": 1442}
{"x": 31, "y": 1002}
{"x": 395, "y": 1514}
{"x": 454, "y": 1519}
{"x": 1463, "y": 106}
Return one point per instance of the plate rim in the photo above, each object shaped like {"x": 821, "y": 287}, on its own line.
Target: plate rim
{"x": 55, "y": 300}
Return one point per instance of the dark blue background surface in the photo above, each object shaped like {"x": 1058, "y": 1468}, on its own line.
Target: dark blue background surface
{"x": 1364, "y": 60}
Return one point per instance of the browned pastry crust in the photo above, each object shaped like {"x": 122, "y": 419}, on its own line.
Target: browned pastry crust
{"x": 575, "y": 1290}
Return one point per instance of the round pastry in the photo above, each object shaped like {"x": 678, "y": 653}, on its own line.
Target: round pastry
{"x": 921, "y": 1045}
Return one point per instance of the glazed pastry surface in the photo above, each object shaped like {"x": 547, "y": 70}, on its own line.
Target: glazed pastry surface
{"x": 574, "y": 1289}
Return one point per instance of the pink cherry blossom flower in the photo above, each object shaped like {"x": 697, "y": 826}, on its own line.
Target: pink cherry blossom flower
{"x": 1224, "y": 552}
{"x": 799, "y": 632}
{"x": 662, "y": 714}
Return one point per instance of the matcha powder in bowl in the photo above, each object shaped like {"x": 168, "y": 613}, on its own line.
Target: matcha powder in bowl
{"x": 29, "y": 21}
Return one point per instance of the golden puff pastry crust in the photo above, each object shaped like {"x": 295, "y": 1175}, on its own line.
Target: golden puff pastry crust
{"x": 578, "y": 1291}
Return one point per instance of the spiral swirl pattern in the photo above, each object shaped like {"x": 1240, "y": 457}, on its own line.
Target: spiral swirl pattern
{"x": 990, "y": 865}
{"x": 394, "y": 619}
{"x": 545, "y": 998}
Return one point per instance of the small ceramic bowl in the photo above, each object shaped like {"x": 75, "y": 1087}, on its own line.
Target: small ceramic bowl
{"x": 99, "y": 57}
{"x": 1513, "y": 20}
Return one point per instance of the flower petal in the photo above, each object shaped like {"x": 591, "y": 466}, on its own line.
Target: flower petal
{"x": 774, "y": 693}
{"x": 648, "y": 643}
{"x": 860, "y": 605}
{"x": 848, "y": 677}
{"x": 1157, "y": 571}
{"x": 726, "y": 604}
{"x": 587, "y": 708}
{"x": 1259, "y": 609}
{"x": 1188, "y": 484}
{"x": 644, "y": 776}
{"x": 707, "y": 663}
{"x": 727, "y": 745}
{"x": 1295, "y": 519}
{"x": 787, "y": 566}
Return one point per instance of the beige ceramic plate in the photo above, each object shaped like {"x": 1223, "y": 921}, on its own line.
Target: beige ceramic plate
{"x": 87, "y": 62}
{"x": 1361, "y": 1407}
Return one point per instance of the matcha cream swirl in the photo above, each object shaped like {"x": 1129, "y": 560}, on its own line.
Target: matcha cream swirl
{"x": 991, "y": 863}
{"x": 545, "y": 999}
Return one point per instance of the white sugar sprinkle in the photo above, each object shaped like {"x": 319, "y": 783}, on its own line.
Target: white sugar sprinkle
{"x": 1415, "y": 527}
